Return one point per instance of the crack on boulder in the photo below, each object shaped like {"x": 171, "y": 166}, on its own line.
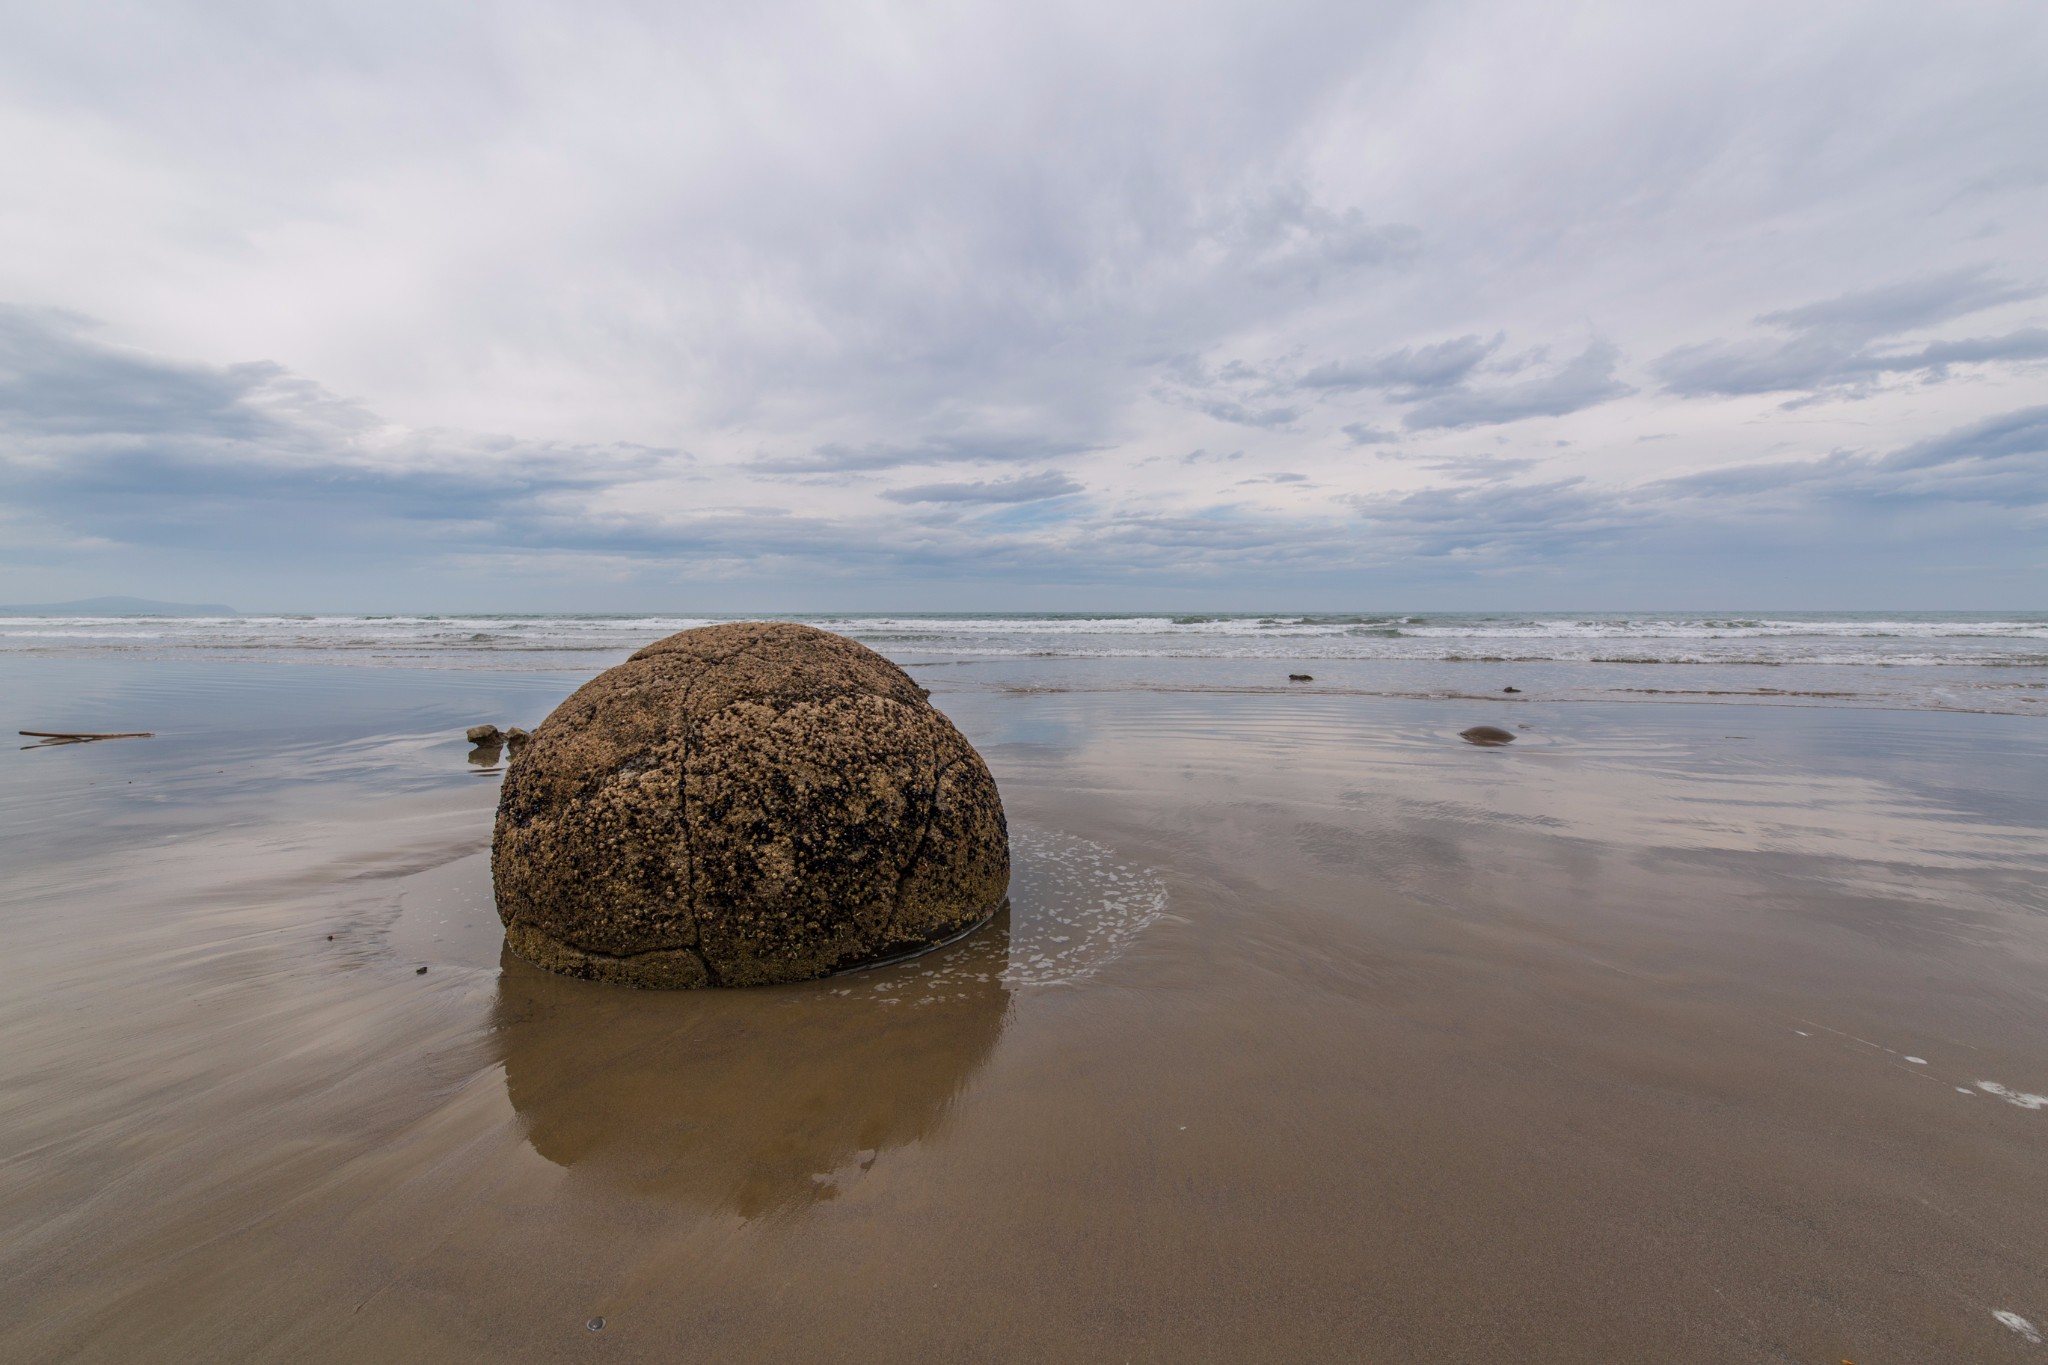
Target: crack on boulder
{"x": 909, "y": 868}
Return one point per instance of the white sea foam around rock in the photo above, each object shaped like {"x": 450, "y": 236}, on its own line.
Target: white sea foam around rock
{"x": 1075, "y": 907}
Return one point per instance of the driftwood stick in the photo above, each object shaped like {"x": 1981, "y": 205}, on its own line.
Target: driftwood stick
{"x": 75, "y": 737}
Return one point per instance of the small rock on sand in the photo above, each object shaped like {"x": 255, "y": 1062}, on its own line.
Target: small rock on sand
{"x": 1301, "y": 677}
{"x": 1486, "y": 734}
{"x": 1511, "y": 689}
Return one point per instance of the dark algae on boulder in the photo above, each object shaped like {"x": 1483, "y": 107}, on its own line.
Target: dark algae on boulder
{"x": 744, "y": 804}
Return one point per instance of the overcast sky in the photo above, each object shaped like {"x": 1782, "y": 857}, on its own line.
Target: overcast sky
{"x": 731, "y": 307}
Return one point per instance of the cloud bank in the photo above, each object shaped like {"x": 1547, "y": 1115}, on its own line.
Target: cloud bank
{"x": 1321, "y": 304}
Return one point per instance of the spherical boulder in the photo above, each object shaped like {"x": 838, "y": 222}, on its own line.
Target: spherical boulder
{"x": 744, "y": 804}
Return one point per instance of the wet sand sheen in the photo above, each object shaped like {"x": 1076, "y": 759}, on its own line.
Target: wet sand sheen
{"x": 1634, "y": 1039}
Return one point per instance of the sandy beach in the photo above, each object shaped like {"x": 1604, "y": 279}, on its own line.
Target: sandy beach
{"x": 1673, "y": 1030}
{"x": 1244, "y": 682}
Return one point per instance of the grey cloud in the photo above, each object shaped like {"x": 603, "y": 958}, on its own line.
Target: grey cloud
{"x": 2000, "y": 464}
{"x": 1991, "y": 476}
{"x": 532, "y": 503}
{"x": 1023, "y": 254}
{"x": 991, "y": 449}
{"x": 1288, "y": 240}
{"x": 1246, "y": 394}
{"x": 1364, "y": 435}
{"x": 1438, "y": 380}
{"x": 1901, "y": 307}
{"x": 1481, "y": 525}
{"x": 137, "y": 449}
{"x": 1836, "y": 346}
{"x": 55, "y": 380}
{"x": 1582, "y": 382}
{"x": 1246, "y": 415}
{"x": 1234, "y": 392}
{"x": 253, "y": 470}
{"x": 1028, "y": 488}
{"x": 1416, "y": 370}
{"x": 2020, "y": 435}
{"x": 2028, "y": 343}
{"x": 1481, "y": 467}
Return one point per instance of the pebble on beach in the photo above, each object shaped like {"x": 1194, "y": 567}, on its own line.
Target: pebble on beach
{"x": 1486, "y": 735}
{"x": 743, "y": 804}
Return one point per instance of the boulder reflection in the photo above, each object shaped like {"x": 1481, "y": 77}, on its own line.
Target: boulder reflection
{"x": 749, "y": 1101}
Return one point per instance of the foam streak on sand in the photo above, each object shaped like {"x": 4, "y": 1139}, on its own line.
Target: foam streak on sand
{"x": 2019, "y": 1097}
{"x": 2018, "y": 1324}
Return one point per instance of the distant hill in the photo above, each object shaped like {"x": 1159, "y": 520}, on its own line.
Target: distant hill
{"x": 118, "y": 606}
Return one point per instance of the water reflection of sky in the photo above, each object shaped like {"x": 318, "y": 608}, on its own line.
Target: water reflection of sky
{"x": 1932, "y": 789}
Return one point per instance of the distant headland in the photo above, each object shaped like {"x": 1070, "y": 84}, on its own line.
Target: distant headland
{"x": 118, "y": 606}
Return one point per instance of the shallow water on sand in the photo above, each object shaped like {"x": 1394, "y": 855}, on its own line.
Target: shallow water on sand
{"x": 1667, "y": 1031}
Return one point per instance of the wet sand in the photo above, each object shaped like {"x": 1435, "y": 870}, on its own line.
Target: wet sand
{"x": 1313, "y": 1032}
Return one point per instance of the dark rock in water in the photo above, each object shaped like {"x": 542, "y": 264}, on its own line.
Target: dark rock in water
{"x": 515, "y": 736}
{"x": 484, "y": 734}
{"x": 1486, "y": 734}
{"x": 1511, "y": 689}
{"x": 1301, "y": 677}
{"x": 743, "y": 804}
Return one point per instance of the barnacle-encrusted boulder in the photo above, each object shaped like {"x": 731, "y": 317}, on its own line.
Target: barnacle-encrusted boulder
{"x": 743, "y": 804}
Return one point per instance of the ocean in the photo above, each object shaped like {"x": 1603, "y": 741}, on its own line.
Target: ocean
{"x": 1968, "y": 661}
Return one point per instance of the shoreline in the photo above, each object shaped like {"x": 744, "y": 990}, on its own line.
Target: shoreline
{"x": 2017, "y": 688}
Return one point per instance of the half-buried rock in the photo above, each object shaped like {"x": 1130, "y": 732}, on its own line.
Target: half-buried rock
{"x": 744, "y": 804}
{"x": 1486, "y": 735}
